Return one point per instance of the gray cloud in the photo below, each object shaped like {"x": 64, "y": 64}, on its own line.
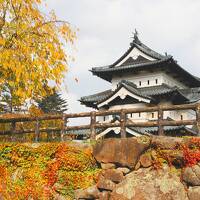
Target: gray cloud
{"x": 105, "y": 29}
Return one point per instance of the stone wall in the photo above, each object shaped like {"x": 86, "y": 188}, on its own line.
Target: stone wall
{"x": 146, "y": 168}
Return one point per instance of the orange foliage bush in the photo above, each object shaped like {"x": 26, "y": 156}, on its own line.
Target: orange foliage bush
{"x": 191, "y": 152}
{"x": 40, "y": 171}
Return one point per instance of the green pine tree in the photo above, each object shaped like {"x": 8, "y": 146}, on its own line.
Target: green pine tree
{"x": 53, "y": 104}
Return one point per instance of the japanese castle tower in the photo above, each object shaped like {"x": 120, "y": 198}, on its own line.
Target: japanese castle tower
{"x": 142, "y": 77}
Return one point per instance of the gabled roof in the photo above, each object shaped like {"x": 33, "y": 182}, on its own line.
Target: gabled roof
{"x": 129, "y": 66}
{"x": 193, "y": 94}
{"x": 131, "y": 88}
{"x": 189, "y": 95}
{"x": 136, "y": 43}
{"x": 140, "y": 59}
{"x": 95, "y": 99}
{"x": 152, "y": 61}
{"x": 92, "y": 100}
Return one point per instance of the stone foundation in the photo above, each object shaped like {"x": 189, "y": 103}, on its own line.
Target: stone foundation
{"x": 145, "y": 168}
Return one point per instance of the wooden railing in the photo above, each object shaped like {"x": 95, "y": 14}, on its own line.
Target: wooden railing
{"x": 160, "y": 122}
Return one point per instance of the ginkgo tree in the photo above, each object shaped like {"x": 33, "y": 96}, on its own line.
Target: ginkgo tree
{"x": 32, "y": 50}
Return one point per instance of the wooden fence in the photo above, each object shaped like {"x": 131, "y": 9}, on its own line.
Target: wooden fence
{"x": 160, "y": 122}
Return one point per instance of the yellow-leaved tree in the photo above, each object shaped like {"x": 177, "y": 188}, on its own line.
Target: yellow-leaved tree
{"x": 31, "y": 51}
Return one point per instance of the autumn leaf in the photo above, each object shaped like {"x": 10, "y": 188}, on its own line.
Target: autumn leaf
{"x": 32, "y": 51}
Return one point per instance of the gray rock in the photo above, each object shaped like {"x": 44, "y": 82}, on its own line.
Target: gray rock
{"x": 145, "y": 160}
{"x": 194, "y": 193}
{"x": 191, "y": 175}
{"x": 124, "y": 170}
{"x": 108, "y": 166}
{"x": 124, "y": 152}
{"x": 105, "y": 195}
{"x": 147, "y": 184}
{"x": 89, "y": 193}
{"x": 114, "y": 175}
{"x": 105, "y": 184}
{"x": 164, "y": 142}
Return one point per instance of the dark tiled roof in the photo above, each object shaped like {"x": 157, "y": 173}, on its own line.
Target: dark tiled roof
{"x": 96, "y": 97}
{"x": 130, "y": 66}
{"x": 153, "y": 130}
{"x": 156, "y": 90}
{"x": 189, "y": 95}
{"x": 102, "y": 96}
{"x": 146, "y": 50}
{"x": 131, "y": 87}
{"x": 143, "y": 48}
{"x": 193, "y": 94}
{"x": 146, "y": 92}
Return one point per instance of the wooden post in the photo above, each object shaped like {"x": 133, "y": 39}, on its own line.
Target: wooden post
{"x": 37, "y": 130}
{"x": 92, "y": 125}
{"x": 12, "y": 129}
{"x": 160, "y": 119}
{"x": 123, "y": 124}
{"x": 198, "y": 119}
{"x": 63, "y": 128}
{"x": 48, "y": 136}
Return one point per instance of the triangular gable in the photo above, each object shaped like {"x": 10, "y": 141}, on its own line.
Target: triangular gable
{"x": 131, "y": 61}
{"x": 136, "y": 49}
{"x": 122, "y": 92}
{"x": 135, "y": 53}
{"x": 116, "y": 130}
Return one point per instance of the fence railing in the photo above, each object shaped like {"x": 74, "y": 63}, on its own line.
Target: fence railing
{"x": 160, "y": 122}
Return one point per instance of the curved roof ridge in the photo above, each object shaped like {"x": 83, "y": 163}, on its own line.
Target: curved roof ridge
{"x": 142, "y": 47}
{"x": 129, "y": 87}
{"x": 89, "y": 97}
{"x": 108, "y": 68}
{"x": 122, "y": 57}
{"x": 147, "y": 50}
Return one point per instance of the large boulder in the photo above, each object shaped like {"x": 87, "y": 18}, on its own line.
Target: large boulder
{"x": 113, "y": 174}
{"x": 148, "y": 184}
{"x": 124, "y": 170}
{"x": 163, "y": 142}
{"x": 105, "y": 184}
{"x": 108, "y": 166}
{"x": 146, "y": 160}
{"x": 105, "y": 195}
{"x": 191, "y": 175}
{"x": 194, "y": 193}
{"x": 89, "y": 193}
{"x": 122, "y": 152}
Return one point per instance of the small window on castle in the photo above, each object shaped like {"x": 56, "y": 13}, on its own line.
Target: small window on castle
{"x": 139, "y": 114}
{"x": 104, "y": 118}
{"x": 131, "y": 115}
{"x": 152, "y": 115}
{"x": 140, "y": 83}
{"x": 181, "y": 117}
{"x": 148, "y": 82}
{"x": 156, "y": 81}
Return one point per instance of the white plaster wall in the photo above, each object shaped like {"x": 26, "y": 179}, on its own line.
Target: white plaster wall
{"x": 145, "y": 77}
{"x": 134, "y": 116}
{"x": 176, "y": 115}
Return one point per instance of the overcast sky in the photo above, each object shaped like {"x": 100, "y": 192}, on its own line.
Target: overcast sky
{"x": 105, "y": 31}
